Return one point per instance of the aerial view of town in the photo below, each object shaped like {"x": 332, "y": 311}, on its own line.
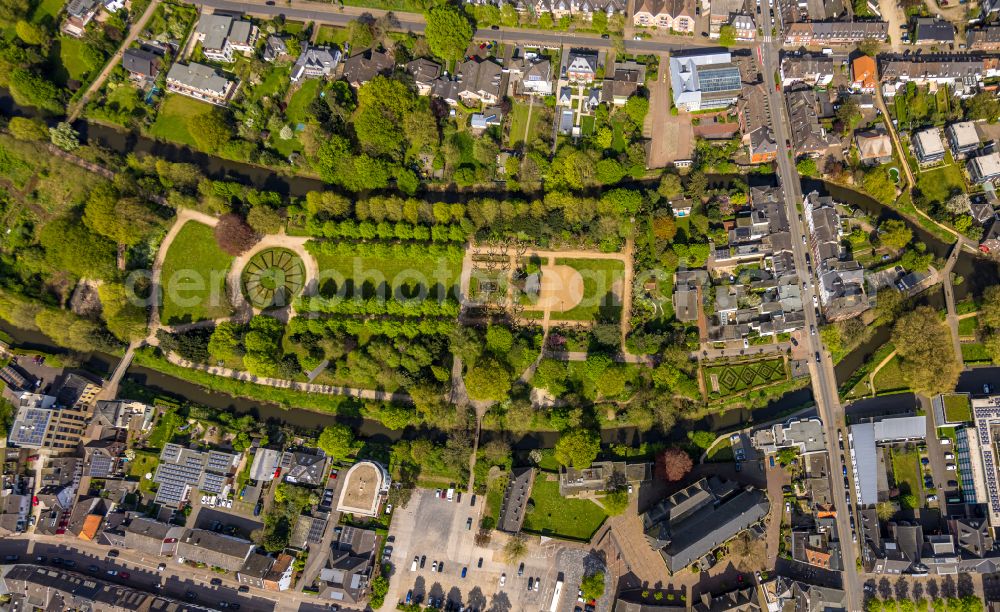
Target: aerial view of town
{"x": 500, "y": 305}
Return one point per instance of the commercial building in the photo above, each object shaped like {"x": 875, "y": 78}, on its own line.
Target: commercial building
{"x": 365, "y": 486}
{"x": 695, "y": 521}
{"x": 865, "y": 438}
{"x": 811, "y": 69}
{"x": 702, "y": 81}
{"x": 804, "y": 435}
{"x": 183, "y": 469}
{"x": 55, "y": 422}
{"x": 200, "y": 82}
{"x": 214, "y": 549}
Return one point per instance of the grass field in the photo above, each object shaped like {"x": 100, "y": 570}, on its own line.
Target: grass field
{"x": 273, "y": 83}
{"x": 957, "y": 408}
{"x": 301, "y": 100}
{"x": 941, "y": 183}
{"x": 331, "y": 35}
{"x": 68, "y": 53}
{"x": 193, "y": 278}
{"x": 975, "y": 352}
{"x": 174, "y": 117}
{"x": 734, "y": 378}
{"x": 598, "y": 302}
{"x": 906, "y": 471}
{"x": 358, "y": 273}
{"x": 165, "y": 429}
{"x": 554, "y": 515}
{"x": 518, "y": 121}
{"x": 721, "y": 452}
{"x": 890, "y": 378}
{"x": 145, "y": 462}
{"x": 967, "y": 327}
{"x": 46, "y": 10}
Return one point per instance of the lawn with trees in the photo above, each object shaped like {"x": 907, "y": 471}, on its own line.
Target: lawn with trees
{"x": 550, "y": 514}
{"x": 193, "y": 277}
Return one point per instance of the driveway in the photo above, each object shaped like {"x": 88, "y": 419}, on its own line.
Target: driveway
{"x": 671, "y": 137}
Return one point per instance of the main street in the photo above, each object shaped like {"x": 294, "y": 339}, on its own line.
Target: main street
{"x": 333, "y": 14}
{"x": 823, "y": 380}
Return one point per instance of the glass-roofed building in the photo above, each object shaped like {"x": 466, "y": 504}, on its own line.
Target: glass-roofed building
{"x": 704, "y": 81}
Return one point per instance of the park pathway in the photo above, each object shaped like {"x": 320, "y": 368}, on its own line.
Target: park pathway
{"x": 871, "y": 375}
{"x": 949, "y": 298}
{"x": 137, "y": 27}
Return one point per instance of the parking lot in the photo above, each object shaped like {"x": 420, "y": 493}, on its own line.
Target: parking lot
{"x": 436, "y": 532}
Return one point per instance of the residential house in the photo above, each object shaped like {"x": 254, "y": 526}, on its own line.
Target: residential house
{"x": 579, "y": 483}
{"x": 279, "y": 577}
{"x": 927, "y": 146}
{"x": 33, "y": 587}
{"x": 990, "y": 242}
{"x": 221, "y": 35}
{"x": 78, "y": 15}
{"x": 477, "y": 82}
{"x": 182, "y": 470}
{"x": 814, "y": 70}
{"x": 14, "y": 511}
{"x": 874, "y": 147}
{"x": 626, "y": 79}
{"x": 581, "y": 66}
{"x": 702, "y": 81}
{"x": 984, "y": 39}
{"x": 200, "y": 82}
{"x": 676, "y": 15}
{"x": 152, "y": 537}
{"x": 307, "y": 469}
{"x": 103, "y": 458}
{"x": 988, "y": 7}
{"x": 788, "y": 594}
{"x": 982, "y": 207}
{"x": 314, "y": 63}
{"x": 365, "y": 66}
{"x": 841, "y": 280}
{"x": 424, "y": 73}
{"x": 587, "y": 8}
{"x": 755, "y": 122}
{"x": 963, "y": 138}
{"x": 141, "y": 65}
{"x": 930, "y": 31}
{"x": 984, "y": 168}
{"x": 962, "y": 74}
{"x": 123, "y": 414}
{"x": 348, "y": 569}
{"x": 809, "y": 138}
{"x": 835, "y": 32}
{"x": 744, "y": 29}
{"x": 693, "y": 522}
{"x": 725, "y": 12}
{"x": 214, "y": 549}
{"x": 254, "y": 571}
{"x": 537, "y": 77}
{"x": 864, "y": 77}
{"x": 741, "y": 600}
{"x": 492, "y": 116}
{"x": 275, "y": 49}
{"x": 308, "y": 530}
{"x": 688, "y": 285}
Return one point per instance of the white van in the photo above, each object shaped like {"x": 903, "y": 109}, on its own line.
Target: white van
{"x": 451, "y": 494}
{"x": 413, "y": 566}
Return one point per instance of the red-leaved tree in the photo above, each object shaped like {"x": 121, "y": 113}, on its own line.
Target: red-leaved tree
{"x": 673, "y": 464}
{"x": 234, "y": 236}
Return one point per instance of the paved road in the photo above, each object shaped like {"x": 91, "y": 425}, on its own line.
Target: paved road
{"x": 823, "y": 379}
{"x": 410, "y": 22}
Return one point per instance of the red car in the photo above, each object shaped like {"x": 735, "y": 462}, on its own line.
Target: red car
{"x": 123, "y": 575}
{"x": 34, "y": 500}
{"x": 333, "y": 474}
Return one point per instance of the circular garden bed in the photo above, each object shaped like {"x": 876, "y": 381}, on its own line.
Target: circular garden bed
{"x": 273, "y": 277}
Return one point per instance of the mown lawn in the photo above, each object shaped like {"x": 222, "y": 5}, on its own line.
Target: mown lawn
{"x": 301, "y": 100}
{"x": 941, "y": 183}
{"x": 351, "y": 275}
{"x": 273, "y": 83}
{"x": 71, "y": 54}
{"x": 906, "y": 471}
{"x": 967, "y": 327}
{"x": 46, "y": 10}
{"x": 554, "y": 515}
{"x": 330, "y": 35}
{"x": 519, "y": 121}
{"x": 145, "y": 462}
{"x": 975, "y": 352}
{"x": 193, "y": 278}
{"x": 890, "y": 378}
{"x": 175, "y": 117}
{"x": 598, "y": 301}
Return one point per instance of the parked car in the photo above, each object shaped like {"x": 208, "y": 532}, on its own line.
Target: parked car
{"x": 423, "y": 560}
{"x": 520, "y": 570}
{"x": 503, "y": 579}
{"x": 932, "y": 498}
{"x": 950, "y": 467}
{"x": 949, "y": 456}
{"x": 243, "y": 589}
{"x": 468, "y": 524}
{"x": 161, "y": 567}
{"x": 93, "y": 568}
{"x": 924, "y": 460}
{"x": 434, "y": 566}
{"x": 465, "y": 571}
{"x": 480, "y": 563}
{"x": 216, "y": 582}
{"x": 388, "y": 508}
{"x": 112, "y": 572}
{"x": 952, "y": 483}
{"x": 531, "y": 583}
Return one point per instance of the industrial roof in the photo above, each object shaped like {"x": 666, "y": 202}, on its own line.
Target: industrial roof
{"x": 900, "y": 428}
{"x": 865, "y": 462}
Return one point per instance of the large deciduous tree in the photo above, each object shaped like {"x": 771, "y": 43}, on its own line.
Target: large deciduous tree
{"x": 926, "y": 355}
{"x": 895, "y": 234}
{"x": 233, "y": 235}
{"x": 577, "y": 448}
{"x": 448, "y": 32}
{"x": 123, "y": 220}
{"x": 337, "y": 441}
{"x": 488, "y": 380}
{"x": 673, "y": 464}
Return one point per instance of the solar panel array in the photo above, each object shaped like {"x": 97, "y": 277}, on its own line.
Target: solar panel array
{"x": 964, "y": 461}
{"x": 182, "y": 469}
{"x": 986, "y": 417}
{"x": 100, "y": 465}
{"x": 713, "y": 79}
{"x": 29, "y": 429}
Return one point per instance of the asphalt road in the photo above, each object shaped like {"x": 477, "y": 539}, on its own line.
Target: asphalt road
{"x": 823, "y": 379}
{"x": 175, "y": 581}
{"x": 410, "y": 22}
